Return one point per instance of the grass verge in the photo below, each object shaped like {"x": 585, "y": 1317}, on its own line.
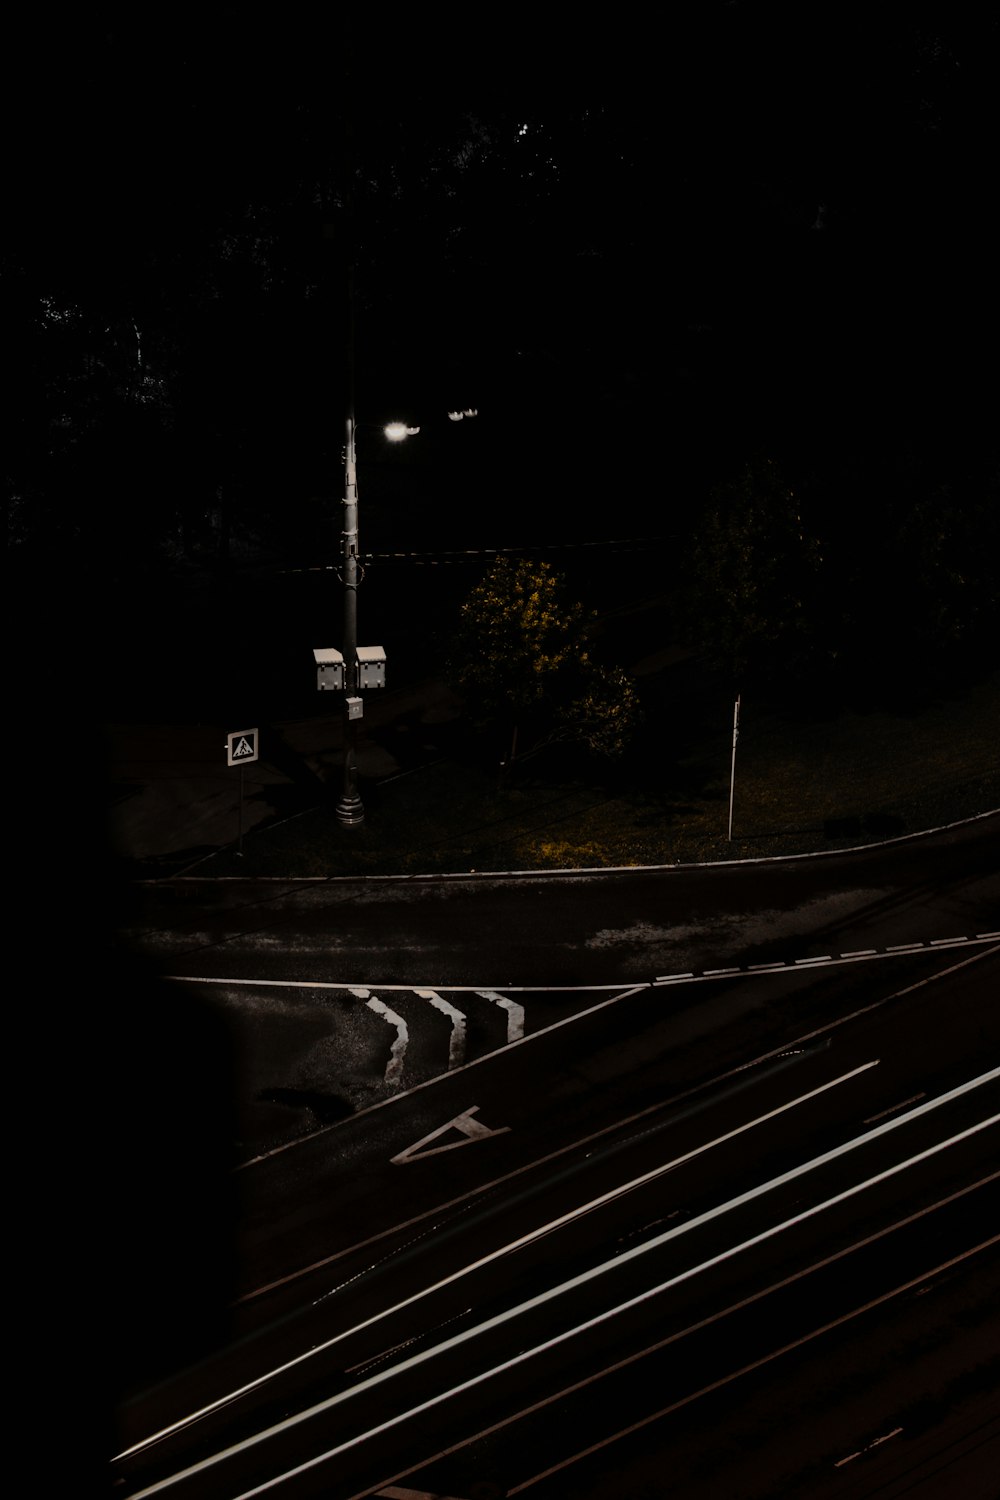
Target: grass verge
{"x": 804, "y": 782}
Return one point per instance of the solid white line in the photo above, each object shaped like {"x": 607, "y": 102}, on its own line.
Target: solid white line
{"x": 701, "y": 1088}
{"x": 582, "y": 1279}
{"x": 706, "y": 1322}
{"x": 526, "y": 1354}
{"x": 406, "y": 989}
{"x": 624, "y": 987}
{"x": 759, "y": 1363}
{"x": 456, "y": 1042}
{"x": 508, "y": 1249}
{"x": 428, "y": 1083}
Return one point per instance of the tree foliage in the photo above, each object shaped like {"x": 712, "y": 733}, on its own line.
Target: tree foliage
{"x": 521, "y": 657}
{"x": 756, "y": 571}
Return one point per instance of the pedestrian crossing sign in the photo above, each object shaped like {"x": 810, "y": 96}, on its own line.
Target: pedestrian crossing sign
{"x": 241, "y": 747}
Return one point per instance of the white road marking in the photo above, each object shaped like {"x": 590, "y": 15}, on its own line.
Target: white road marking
{"x": 798, "y": 964}
{"x": 721, "y": 1078}
{"x": 525, "y": 1354}
{"x": 589, "y": 1275}
{"x": 397, "y": 1052}
{"x": 914, "y": 1099}
{"x": 756, "y": 1364}
{"x": 407, "y": 989}
{"x": 903, "y": 947}
{"x": 463, "y": 1123}
{"x": 875, "y": 1443}
{"x": 623, "y": 989}
{"x": 706, "y": 1322}
{"x": 456, "y": 1042}
{"x": 466, "y": 1126}
{"x": 515, "y": 1014}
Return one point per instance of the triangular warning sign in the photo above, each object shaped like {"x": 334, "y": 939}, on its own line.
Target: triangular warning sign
{"x": 243, "y": 747}
{"x": 468, "y": 1128}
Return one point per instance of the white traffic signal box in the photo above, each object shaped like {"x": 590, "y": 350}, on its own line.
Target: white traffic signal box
{"x": 371, "y": 667}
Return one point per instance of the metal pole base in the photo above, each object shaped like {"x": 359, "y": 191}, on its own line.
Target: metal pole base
{"x": 350, "y": 810}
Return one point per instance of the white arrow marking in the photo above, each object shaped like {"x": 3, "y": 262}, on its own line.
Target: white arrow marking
{"x": 515, "y": 1014}
{"x": 456, "y": 1043}
{"x": 464, "y": 1123}
{"x": 394, "y": 1067}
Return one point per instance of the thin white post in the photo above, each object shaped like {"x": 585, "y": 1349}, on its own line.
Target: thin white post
{"x": 732, "y": 772}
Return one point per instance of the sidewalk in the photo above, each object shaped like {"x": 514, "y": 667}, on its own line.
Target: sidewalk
{"x": 804, "y": 784}
{"x": 174, "y": 800}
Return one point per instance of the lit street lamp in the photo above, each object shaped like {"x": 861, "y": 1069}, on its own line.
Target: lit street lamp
{"x": 356, "y": 667}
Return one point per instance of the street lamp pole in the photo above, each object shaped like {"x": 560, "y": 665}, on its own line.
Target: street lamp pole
{"x": 350, "y": 809}
{"x": 354, "y": 668}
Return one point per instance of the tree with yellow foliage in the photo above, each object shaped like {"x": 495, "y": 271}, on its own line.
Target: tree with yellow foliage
{"x": 521, "y": 660}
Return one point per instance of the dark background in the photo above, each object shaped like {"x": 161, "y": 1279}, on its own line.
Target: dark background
{"x": 645, "y": 250}
{"x": 649, "y": 249}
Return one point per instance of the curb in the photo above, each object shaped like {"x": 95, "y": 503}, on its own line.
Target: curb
{"x": 577, "y": 872}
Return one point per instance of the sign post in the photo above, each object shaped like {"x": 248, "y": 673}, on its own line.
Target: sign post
{"x": 732, "y": 771}
{"x": 241, "y": 747}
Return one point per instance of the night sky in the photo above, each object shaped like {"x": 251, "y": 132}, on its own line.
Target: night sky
{"x": 649, "y": 252}
{"x": 644, "y": 249}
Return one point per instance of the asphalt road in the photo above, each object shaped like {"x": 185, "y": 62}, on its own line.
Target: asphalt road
{"x": 331, "y": 998}
{"x": 565, "y": 929}
{"x": 506, "y": 1313}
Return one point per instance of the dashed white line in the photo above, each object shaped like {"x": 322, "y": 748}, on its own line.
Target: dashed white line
{"x": 438, "y": 1398}
{"x": 914, "y": 1099}
{"x": 789, "y": 966}
{"x": 581, "y": 1278}
{"x": 868, "y": 1446}
{"x": 504, "y": 1250}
